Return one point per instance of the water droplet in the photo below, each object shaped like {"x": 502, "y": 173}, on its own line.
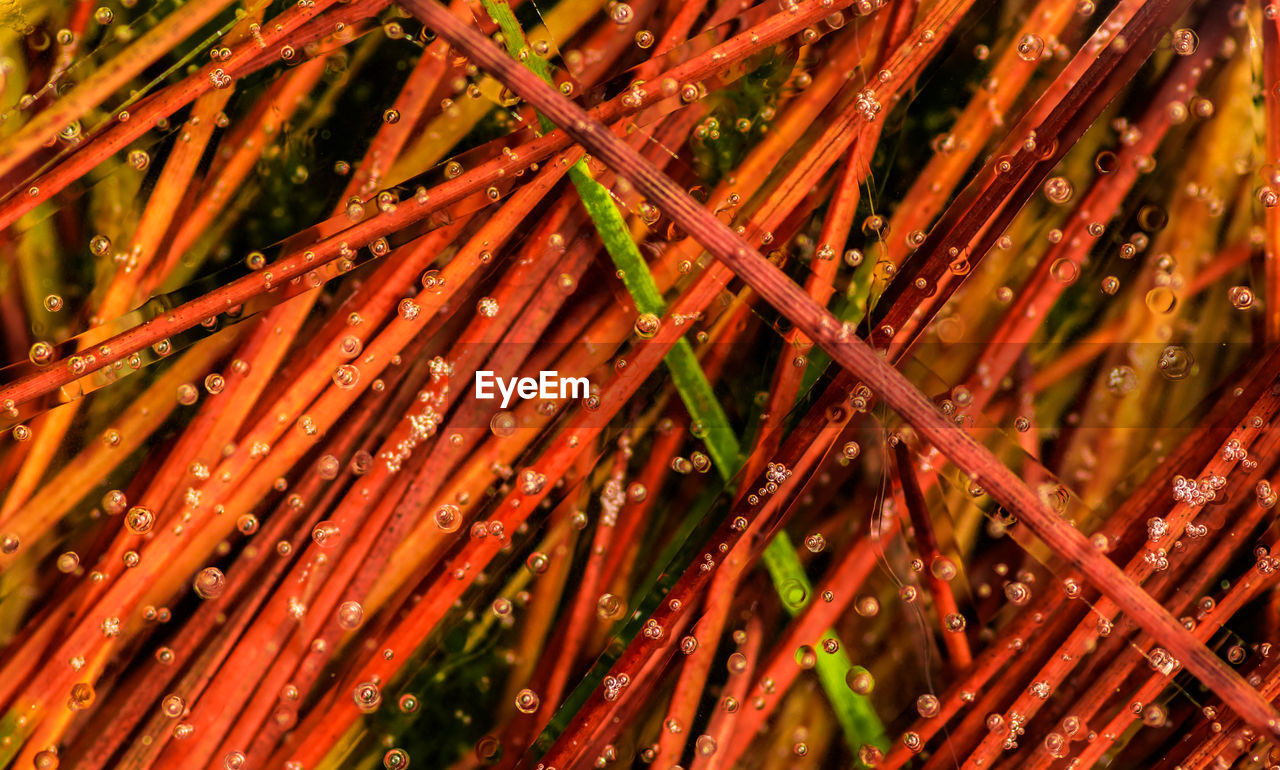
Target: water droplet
{"x": 1175, "y": 363}
{"x": 325, "y": 534}
{"x": 188, "y": 394}
{"x": 1185, "y": 41}
{"x": 503, "y": 424}
{"x": 1064, "y": 271}
{"x": 173, "y": 706}
{"x": 210, "y": 583}
{"x": 705, "y": 745}
{"x": 860, "y": 680}
{"x": 611, "y": 607}
{"x": 927, "y": 705}
{"x": 1017, "y": 592}
{"x": 346, "y": 376}
{"x": 68, "y": 562}
{"x": 100, "y": 245}
{"x": 1161, "y": 300}
{"x": 1122, "y": 380}
{"x": 1106, "y": 162}
{"x": 448, "y": 517}
{"x": 140, "y": 519}
{"x": 407, "y": 310}
{"x": 350, "y": 615}
{"x": 537, "y": 563}
{"x": 1058, "y": 190}
{"x": 367, "y": 697}
{"x": 647, "y": 325}
{"x": 1030, "y": 47}
{"x": 41, "y": 353}
{"x": 527, "y": 701}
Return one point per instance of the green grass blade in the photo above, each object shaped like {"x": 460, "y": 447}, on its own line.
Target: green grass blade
{"x": 857, "y": 718}
{"x": 855, "y": 712}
